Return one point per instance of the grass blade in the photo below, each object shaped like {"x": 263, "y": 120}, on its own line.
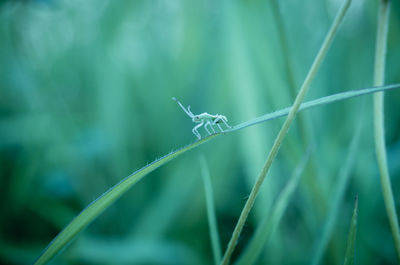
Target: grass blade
{"x": 269, "y": 224}
{"x": 283, "y": 131}
{"x": 379, "y": 126}
{"x": 351, "y": 239}
{"x": 104, "y": 201}
{"x": 93, "y": 210}
{"x": 313, "y": 103}
{"x": 340, "y": 189}
{"x": 212, "y": 219}
{"x": 313, "y": 178}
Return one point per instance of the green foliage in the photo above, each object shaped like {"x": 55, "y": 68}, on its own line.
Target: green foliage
{"x": 85, "y": 99}
{"x": 283, "y": 131}
{"x": 106, "y": 199}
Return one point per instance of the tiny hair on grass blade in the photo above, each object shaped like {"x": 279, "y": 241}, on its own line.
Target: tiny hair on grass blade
{"x": 93, "y": 210}
{"x": 104, "y": 201}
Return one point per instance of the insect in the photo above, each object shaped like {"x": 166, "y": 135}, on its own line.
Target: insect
{"x": 205, "y": 119}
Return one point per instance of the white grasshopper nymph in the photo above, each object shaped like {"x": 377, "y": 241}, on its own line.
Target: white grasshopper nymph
{"x": 205, "y": 119}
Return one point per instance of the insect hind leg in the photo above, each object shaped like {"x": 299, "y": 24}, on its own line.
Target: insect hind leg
{"x": 226, "y": 124}
{"x": 216, "y": 122}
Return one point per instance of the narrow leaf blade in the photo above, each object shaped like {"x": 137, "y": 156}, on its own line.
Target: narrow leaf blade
{"x": 351, "y": 240}
{"x": 212, "y": 219}
{"x": 104, "y": 201}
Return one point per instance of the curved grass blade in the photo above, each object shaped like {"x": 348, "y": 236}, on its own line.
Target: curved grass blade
{"x": 351, "y": 239}
{"x": 312, "y": 104}
{"x": 212, "y": 219}
{"x": 100, "y": 204}
{"x": 270, "y": 223}
{"x": 94, "y": 209}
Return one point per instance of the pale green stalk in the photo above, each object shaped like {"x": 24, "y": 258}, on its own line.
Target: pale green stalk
{"x": 212, "y": 219}
{"x": 379, "y": 127}
{"x": 282, "y": 133}
{"x": 313, "y": 183}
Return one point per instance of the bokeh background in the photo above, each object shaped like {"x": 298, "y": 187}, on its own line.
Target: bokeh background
{"x": 85, "y": 99}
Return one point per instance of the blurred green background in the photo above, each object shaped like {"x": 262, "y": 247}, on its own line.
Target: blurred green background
{"x": 85, "y": 99}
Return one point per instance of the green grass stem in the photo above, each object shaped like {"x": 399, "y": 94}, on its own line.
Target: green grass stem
{"x": 212, "y": 219}
{"x": 351, "y": 238}
{"x": 93, "y": 210}
{"x": 312, "y": 180}
{"x": 282, "y": 133}
{"x": 379, "y": 126}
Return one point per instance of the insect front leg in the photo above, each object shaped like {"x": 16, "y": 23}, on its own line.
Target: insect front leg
{"x": 195, "y": 132}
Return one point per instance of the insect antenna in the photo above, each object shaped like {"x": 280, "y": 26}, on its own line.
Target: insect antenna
{"x": 188, "y": 108}
{"x": 188, "y": 112}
